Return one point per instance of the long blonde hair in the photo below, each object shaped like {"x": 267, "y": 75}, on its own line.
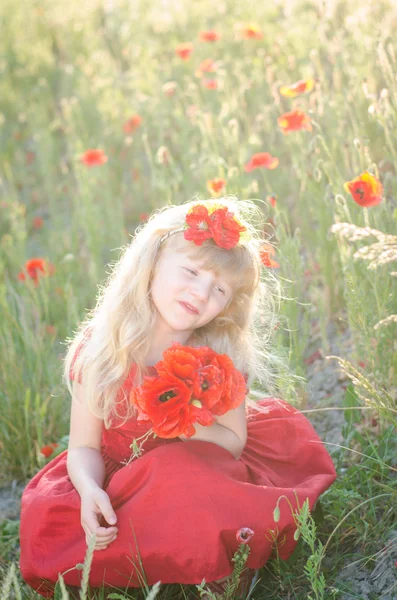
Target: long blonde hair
{"x": 115, "y": 335}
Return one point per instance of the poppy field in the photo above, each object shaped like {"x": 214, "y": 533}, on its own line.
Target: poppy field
{"x": 109, "y": 110}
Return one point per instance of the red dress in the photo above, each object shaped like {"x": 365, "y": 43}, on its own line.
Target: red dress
{"x": 179, "y": 505}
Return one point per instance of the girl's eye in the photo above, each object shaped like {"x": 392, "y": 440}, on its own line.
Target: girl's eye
{"x": 220, "y": 289}
{"x": 190, "y": 271}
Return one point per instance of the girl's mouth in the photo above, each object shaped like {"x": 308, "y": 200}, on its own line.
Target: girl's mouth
{"x": 191, "y": 309}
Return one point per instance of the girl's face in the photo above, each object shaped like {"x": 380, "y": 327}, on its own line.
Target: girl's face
{"x": 185, "y": 294}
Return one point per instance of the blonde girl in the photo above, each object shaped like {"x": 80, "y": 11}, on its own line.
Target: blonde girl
{"x": 176, "y": 514}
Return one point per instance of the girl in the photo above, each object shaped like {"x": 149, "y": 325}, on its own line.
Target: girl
{"x": 191, "y": 275}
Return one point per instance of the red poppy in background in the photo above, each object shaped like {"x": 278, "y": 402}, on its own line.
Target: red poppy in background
{"x": 132, "y": 124}
{"x": 206, "y": 66}
{"x": 48, "y": 450}
{"x": 266, "y": 253}
{"x": 316, "y": 355}
{"x": 37, "y": 223}
{"x": 261, "y": 159}
{"x": 184, "y": 50}
{"x": 294, "y": 121}
{"x": 248, "y": 31}
{"x": 366, "y": 190}
{"x": 216, "y": 186}
{"x": 209, "y": 36}
{"x": 36, "y": 268}
{"x": 30, "y": 157}
{"x": 94, "y": 157}
{"x": 272, "y": 199}
{"x": 143, "y": 217}
{"x": 303, "y": 86}
{"x": 210, "y": 84}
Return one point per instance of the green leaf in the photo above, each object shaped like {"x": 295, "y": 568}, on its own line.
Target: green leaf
{"x": 350, "y": 401}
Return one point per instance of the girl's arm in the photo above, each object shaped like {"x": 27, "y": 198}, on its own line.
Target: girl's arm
{"x": 86, "y": 470}
{"x": 229, "y": 431}
{"x": 85, "y": 464}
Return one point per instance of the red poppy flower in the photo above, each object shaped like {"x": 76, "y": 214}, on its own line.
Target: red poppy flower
{"x": 166, "y": 402}
{"x": 316, "y": 355}
{"x": 51, "y": 330}
{"x": 294, "y": 121}
{"x": 216, "y": 186}
{"x": 143, "y": 217}
{"x": 260, "y": 160}
{"x": 208, "y": 385}
{"x": 206, "y": 66}
{"x": 181, "y": 361}
{"x": 303, "y": 86}
{"x": 366, "y": 190}
{"x": 49, "y": 449}
{"x": 220, "y": 224}
{"x": 135, "y": 174}
{"x": 36, "y": 268}
{"x": 200, "y": 225}
{"x": 132, "y": 124}
{"x": 272, "y": 199}
{"x": 235, "y": 388}
{"x": 184, "y": 50}
{"x": 210, "y": 84}
{"x": 209, "y": 36}
{"x": 244, "y": 535}
{"x": 191, "y": 365}
{"x": 248, "y": 31}
{"x": 212, "y": 377}
{"x": 30, "y": 157}
{"x": 192, "y": 385}
{"x": 94, "y": 158}
{"x": 266, "y": 252}
{"x": 226, "y": 229}
{"x": 37, "y": 223}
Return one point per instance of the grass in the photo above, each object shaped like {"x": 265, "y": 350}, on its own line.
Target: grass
{"x": 71, "y": 77}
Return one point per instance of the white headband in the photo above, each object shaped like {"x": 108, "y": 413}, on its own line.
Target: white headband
{"x": 170, "y": 233}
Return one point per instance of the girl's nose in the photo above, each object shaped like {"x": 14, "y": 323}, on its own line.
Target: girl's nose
{"x": 201, "y": 291}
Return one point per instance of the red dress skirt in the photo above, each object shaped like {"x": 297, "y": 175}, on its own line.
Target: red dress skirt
{"x": 179, "y": 505}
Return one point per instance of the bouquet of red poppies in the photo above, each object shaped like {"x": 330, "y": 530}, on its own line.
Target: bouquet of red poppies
{"x": 192, "y": 385}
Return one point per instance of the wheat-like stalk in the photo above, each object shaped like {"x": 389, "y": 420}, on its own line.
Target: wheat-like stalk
{"x": 386, "y": 321}
{"x": 378, "y": 253}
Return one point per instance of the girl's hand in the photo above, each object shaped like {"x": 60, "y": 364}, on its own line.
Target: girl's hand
{"x": 94, "y": 503}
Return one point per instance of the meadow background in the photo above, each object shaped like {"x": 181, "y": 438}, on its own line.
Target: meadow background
{"x": 169, "y": 123}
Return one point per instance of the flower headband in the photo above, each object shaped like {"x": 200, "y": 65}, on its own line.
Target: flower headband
{"x": 215, "y": 222}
